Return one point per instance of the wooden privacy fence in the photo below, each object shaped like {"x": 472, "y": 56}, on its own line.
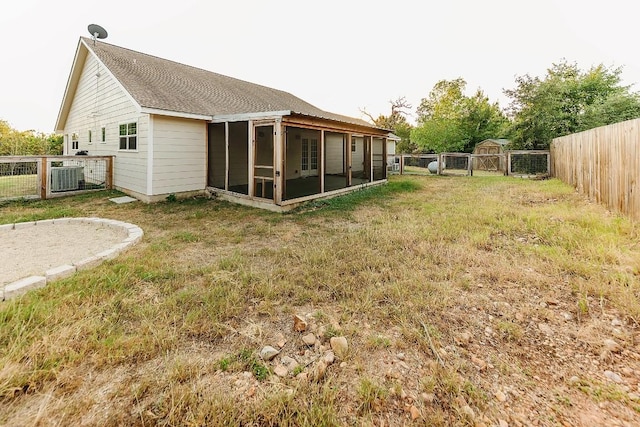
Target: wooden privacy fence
{"x": 43, "y": 177}
{"x": 603, "y": 163}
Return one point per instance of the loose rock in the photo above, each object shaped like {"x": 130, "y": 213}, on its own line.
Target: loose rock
{"x": 415, "y": 413}
{"x": 289, "y": 362}
{"x": 480, "y": 364}
{"x": 281, "y": 371}
{"x": 466, "y": 409}
{"x": 464, "y": 338}
{"x": 299, "y": 324}
{"x": 501, "y": 396}
{"x": 252, "y": 391}
{"x": 268, "y": 353}
{"x": 428, "y": 397}
{"x": 546, "y": 329}
{"x": 329, "y": 357}
{"x": 613, "y": 377}
{"x": 309, "y": 339}
{"x": 339, "y": 346}
{"x": 280, "y": 340}
{"x": 612, "y": 346}
{"x": 320, "y": 370}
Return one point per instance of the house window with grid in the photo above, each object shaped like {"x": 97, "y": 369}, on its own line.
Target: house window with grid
{"x": 353, "y": 145}
{"x": 74, "y": 141}
{"x": 129, "y": 136}
{"x": 103, "y": 134}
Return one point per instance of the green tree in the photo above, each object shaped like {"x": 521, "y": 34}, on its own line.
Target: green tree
{"x": 448, "y": 120}
{"x": 566, "y": 101}
{"x": 397, "y": 122}
{"x": 21, "y": 143}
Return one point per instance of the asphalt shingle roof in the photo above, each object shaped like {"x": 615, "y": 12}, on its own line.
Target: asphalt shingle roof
{"x": 167, "y": 85}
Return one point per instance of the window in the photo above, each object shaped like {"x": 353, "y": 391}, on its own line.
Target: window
{"x": 353, "y": 145}
{"x": 103, "y": 134}
{"x": 305, "y": 151}
{"x": 90, "y": 137}
{"x": 128, "y": 136}
{"x": 74, "y": 141}
{"x": 314, "y": 154}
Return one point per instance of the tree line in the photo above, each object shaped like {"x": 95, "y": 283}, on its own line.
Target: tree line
{"x": 24, "y": 143}
{"x": 566, "y": 100}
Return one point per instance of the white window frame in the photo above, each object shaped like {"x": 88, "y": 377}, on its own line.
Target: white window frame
{"x": 128, "y": 136}
{"x": 75, "y": 141}
{"x": 90, "y": 136}
{"x": 103, "y": 134}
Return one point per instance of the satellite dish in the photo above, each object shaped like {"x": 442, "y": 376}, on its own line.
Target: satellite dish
{"x": 97, "y": 32}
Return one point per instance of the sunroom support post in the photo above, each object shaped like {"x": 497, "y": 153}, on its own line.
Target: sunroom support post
{"x": 347, "y": 158}
{"x": 250, "y": 156}
{"x": 279, "y": 157}
{"x": 370, "y": 139}
{"x": 226, "y": 156}
{"x": 385, "y": 160}
{"x": 322, "y": 160}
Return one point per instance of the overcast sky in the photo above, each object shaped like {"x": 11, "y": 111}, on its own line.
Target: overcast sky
{"x": 340, "y": 55}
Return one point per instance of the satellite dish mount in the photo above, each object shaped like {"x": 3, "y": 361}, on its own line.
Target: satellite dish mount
{"x": 97, "y": 32}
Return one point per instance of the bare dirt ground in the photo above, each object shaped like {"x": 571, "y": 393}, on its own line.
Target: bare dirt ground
{"x": 32, "y": 250}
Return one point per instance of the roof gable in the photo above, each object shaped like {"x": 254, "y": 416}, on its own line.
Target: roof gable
{"x": 72, "y": 84}
{"x": 501, "y": 142}
{"x": 160, "y": 84}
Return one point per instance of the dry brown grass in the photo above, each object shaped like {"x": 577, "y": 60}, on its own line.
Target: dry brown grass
{"x": 166, "y": 333}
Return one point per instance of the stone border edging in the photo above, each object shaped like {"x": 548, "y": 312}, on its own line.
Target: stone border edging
{"x": 21, "y": 286}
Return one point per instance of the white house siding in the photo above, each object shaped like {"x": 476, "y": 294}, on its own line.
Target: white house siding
{"x": 334, "y": 151}
{"x": 357, "y": 157}
{"x": 179, "y": 155}
{"x": 391, "y": 147}
{"x": 101, "y": 101}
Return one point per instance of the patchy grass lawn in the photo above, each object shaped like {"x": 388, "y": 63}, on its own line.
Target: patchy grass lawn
{"x": 464, "y": 301}
{"x": 19, "y": 186}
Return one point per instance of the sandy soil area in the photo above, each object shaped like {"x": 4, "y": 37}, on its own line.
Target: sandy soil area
{"x": 32, "y": 250}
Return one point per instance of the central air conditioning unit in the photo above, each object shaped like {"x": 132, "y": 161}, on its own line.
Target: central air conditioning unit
{"x": 66, "y": 178}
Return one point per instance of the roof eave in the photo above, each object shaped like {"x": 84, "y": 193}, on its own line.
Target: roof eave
{"x": 356, "y": 126}
{"x": 220, "y": 118}
{"x": 180, "y": 114}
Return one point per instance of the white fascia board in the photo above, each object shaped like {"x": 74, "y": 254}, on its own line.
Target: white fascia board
{"x": 106, "y": 70}
{"x": 220, "y": 118}
{"x": 59, "y": 127}
{"x": 179, "y": 114}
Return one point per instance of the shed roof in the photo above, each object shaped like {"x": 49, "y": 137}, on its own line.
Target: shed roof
{"x": 160, "y": 84}
{"x": 499, "y": 141}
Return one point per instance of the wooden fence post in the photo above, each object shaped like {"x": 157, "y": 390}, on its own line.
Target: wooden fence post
{"x": 109, "y": 178}
{"x": 43, "y": 178}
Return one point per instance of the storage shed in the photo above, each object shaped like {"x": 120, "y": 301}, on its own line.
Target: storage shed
{"x": 486, "y": 161}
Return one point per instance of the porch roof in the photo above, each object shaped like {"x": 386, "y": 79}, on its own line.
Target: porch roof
{"x": 166, "y": 86}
